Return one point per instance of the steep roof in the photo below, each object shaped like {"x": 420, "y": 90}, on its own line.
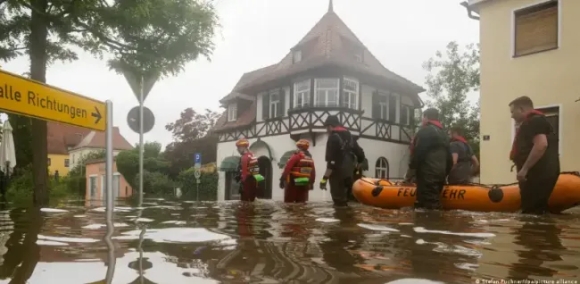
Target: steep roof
{"x": 97, "y": 140}
{"x": 329, "y": 42}
{"x": 61, "y": 137}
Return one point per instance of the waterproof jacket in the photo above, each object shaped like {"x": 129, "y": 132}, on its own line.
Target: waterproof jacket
{"x": 430, "y": 153}
{"x": 343, "y": 152}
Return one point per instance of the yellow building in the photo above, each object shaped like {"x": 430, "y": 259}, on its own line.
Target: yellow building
{"x": 531, "y": 48}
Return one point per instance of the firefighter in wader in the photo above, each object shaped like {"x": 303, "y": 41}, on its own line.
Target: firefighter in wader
{"x": 249, "y": 175}
{"x": 299, "y": 174}
{"x": 430, "y": 161}
{"x": 343, "y": 155}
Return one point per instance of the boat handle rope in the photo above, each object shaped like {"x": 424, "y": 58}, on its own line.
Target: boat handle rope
{"x": 379, "y": 188}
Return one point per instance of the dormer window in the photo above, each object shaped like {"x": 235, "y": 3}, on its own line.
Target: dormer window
{"x": 232, "y": 112}
{"x": 296, "y": 56}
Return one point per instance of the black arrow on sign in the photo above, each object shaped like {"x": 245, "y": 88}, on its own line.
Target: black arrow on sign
{"x": 97, "y": 115}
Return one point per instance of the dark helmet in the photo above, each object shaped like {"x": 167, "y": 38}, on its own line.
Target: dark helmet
{"x": 332, "y": 120}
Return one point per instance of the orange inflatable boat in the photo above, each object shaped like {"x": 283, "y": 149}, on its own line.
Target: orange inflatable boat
{"x": 475, "y": 197}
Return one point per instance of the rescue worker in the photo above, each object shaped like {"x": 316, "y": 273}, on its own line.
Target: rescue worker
{"x": 299, "y": 174}
{"x": 343, "y": 155}
{"x": 535, "y": 155}
{"x": 430, "y": 160}
{"x": 465, "y": 163}
{"x": 249, "y": 175}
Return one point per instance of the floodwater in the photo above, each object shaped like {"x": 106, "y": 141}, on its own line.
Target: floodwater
{"x": 267, "y": 242}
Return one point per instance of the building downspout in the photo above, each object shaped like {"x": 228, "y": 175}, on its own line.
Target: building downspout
{"x": 470, "y": 12}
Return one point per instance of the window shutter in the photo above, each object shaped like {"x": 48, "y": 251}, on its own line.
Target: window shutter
{"x": 282, "y": 104}
{"x": 376, "y": 106}
{"x": 265, "y": 106}
{"x": 536, "y": 30}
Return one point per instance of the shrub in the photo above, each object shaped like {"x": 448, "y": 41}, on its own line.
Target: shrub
{"x": 20, "y": 190}
{"x": 155, "y": 183}
{"x": 207, "y": 187}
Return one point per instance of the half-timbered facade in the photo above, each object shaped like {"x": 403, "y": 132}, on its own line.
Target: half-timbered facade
{"x": 329, "y": 72}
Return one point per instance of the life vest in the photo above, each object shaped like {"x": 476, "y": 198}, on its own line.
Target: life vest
{"x": 254, "y": 168}
{"x": 302, "y": 171}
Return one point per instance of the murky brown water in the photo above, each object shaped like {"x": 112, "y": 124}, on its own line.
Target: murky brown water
{"x": 275, "y": 243}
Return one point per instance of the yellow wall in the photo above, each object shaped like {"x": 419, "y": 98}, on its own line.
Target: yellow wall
{"x": 57, "y": 163}
{"x": 549, "y": 78}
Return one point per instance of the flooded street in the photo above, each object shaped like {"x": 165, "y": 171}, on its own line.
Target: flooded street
{"x": 267, "y": 242}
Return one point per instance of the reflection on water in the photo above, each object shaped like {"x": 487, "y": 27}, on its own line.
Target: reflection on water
{"x": 266, "y": 242}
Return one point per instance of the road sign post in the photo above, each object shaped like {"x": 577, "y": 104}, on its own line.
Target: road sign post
{"x": 27, "y": 97}
{"x": 141, "y": 87}
{"x": 197, "y": 172}
{"x": 109, "y": 188}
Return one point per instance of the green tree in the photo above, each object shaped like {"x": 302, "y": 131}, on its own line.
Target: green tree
{"x": 153, "y": 162}
{"x": 453, "y": 74}
{"x": 142, "y": 36}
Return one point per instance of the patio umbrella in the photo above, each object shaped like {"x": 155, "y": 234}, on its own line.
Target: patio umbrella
{"x": 7, "y": 150}
{"x": 7, "y": 156}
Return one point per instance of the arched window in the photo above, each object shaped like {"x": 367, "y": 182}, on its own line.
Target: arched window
{"x": 382, "y": 168}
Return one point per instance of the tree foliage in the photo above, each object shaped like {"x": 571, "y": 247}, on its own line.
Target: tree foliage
{"x": 454, "y": 73}
{"x": 142, "y": 36}
{"x": 153, "y": 162}
{"x": 191, "y": 134}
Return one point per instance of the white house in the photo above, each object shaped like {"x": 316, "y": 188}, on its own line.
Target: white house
{"x": 328, "y": 72}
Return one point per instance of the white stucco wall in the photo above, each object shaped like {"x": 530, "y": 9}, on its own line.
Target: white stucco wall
{"x": 396, "y": 154}
{"x": 76, "y": 155}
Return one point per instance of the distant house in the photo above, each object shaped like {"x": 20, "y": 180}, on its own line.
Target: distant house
{"x": 67, "y": 144}
{"x": 95, "y": 141}
{"x": 60, "y": 138}
{"x": 95, "y": 176}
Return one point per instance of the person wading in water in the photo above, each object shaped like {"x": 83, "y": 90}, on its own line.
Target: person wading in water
{"x": 249, "y": 175}
{"x": 342, "y": 155}
{"x": 299, "y": 174}
{"x": 535, "y": 155}
{"x": 430, "y": 161}
{"x": 465, "y": 163}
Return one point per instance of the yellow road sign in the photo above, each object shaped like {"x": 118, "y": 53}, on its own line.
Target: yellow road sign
{"x": 27, "y": 97}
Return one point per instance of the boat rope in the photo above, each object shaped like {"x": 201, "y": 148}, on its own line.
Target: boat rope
{"x": 377, "y": 190}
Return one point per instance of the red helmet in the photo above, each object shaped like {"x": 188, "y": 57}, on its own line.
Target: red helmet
{"x": 303, "y": 144}
{"x": 243, "y": 143}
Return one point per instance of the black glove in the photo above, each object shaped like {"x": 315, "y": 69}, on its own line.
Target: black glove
{"x": 238, "y": 178}
{"x": 282, "y": 184}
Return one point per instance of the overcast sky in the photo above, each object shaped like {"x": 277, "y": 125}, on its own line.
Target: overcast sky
{"x": 402, "y": 34}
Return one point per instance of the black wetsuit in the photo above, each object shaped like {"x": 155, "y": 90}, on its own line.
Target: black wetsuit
{"x": 342, "y": 153}
{"x": 542, "y": 177}
{"x": 431, "y": 160}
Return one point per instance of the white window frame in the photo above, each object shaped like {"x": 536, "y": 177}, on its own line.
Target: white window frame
{"x": 273, "y": 104}
{"x": 302, "y": 90}
{"x": 103, "y": 187}
{"x": 232, "y": 112}
{"x": 513, "y": 25}
{"x": 540, "y": 108}
{"x": 409, "y": 114}
{"x": 96, "y": 185}
{"x": 384, "y": 168}
{"x": 118, "y": 191}
{"x": 349, "y": 95}
{"x": 384, "y": 105}
{"x": 326, "y": 91}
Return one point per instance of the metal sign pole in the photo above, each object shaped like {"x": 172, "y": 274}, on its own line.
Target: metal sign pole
{"x": 109, "y": 169}
{"x": 197, "y": 192}
{"x": 141, "y": 146}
